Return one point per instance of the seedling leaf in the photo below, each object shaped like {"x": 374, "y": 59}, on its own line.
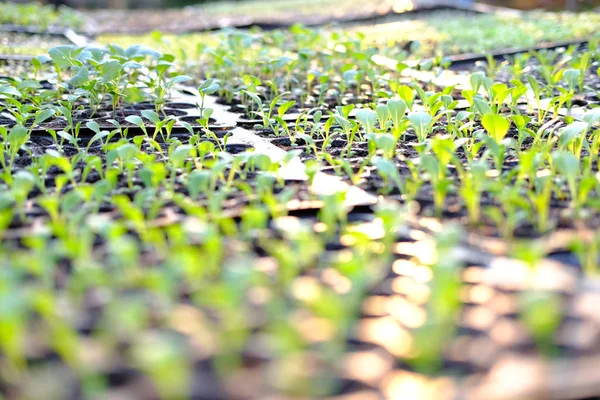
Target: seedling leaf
{"x": 496, "y": 126}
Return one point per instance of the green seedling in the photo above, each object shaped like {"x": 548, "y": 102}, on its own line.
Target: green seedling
{"x": 541, "y": 314}
{"x": 421, "y": 122}
{"x": 208, "y": 87}
{"x": 12, "y": 142}
{"x": 389, "y": 174}
{"x": 367, "y": 119}
{"x": 497, "y": 127}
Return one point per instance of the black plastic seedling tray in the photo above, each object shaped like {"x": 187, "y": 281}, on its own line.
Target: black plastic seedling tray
{"x": 466, "y": 61}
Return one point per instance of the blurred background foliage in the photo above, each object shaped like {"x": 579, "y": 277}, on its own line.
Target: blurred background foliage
{"x": 121, "y": 4}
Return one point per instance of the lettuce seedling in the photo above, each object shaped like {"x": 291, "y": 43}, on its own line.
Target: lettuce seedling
{"x": 523, "y": 132}
{"x": 540, "y": 197}
{"x": 512, "y": 211}
{"x": 349, "y": 127}
{"x": 497, "y": 127}
{"x": 383, "y": 116}
{"x": 573, "y": 77}
{"x": 407, "y": 95}
{"x": 267, "y": 122}
{"x": 388, "y": 172}
{"x": 588, "y": 253}
{"x": 208, "y": 87}
{"x": 22, "y": 184}
{"x": 439, "y": 181}
{"x": 385, "y": 142}
{"x": 538, "y": 92}
{"x": 13, "y": 312}
{"x": 397, "y": 110}
{"x": 541, "y": 312}
{"x": 421, "y": 123}
{"x": 472, "y": 185}
{"x": 333, "y": 212}
{"x": 137, "y": 121}
{"x": 281, "y": 125}
{"x": 443, "y": 307}
{"x": 568, "y": 166}
{"x": 573, "y": 138}
{"x": 368, "y": 119}
{"x": 12, "y": 142}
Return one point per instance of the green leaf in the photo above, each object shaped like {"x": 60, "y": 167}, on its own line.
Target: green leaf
{"x": 71, "y": 201}
{"x": 93, "y": 125}
{"x": 500, "y": 92}
{"x": 383, "y": 113}
{"x": 23, "y": 179}
{"x": 350, "y": 76}
{"x": 208, "y": 87}
{"x": 8, "y": 90}
{"x": 496, "y": 126}
{"x": 187, "y": 126}
{"x": 17, "y": 134}
{"x": 97, "y": 136}
{"x": 421, "y": 122}
{"x": 70, "y": 138}
{"x": 254, "y": 97}
{"x": 43, "y": 59}
{"x": 136, "y": 120}
{"x": 385, "y": 142}
{"x": 571, "y": 132}
{"x": 388, "y": 169}
{"x": 127, "y": 151}
{"x": 179, "y": 79}
{"x": 397, "y": 110}
{"x": 132, "y": 65}
{"x": 80, "y": 78}
{"x": 430, "y": 164}
{"x": 43, "y": 115}
{"x": 482, "y": 106}
{"x": 571, "y": 76}
{"x": 179, "y": 155}
{"x": 367, "y": 118}
{"x": 541, "y": 314}
{"x": 110, "y": 70}
{"x": 140, "y": 52}
{"x": 592, "y": 116}
{"x": 151, "y": 115}
{"x": 443, "y": 148}
{"x": 133, "y": 94}
{"x": 406, "y": 94}
{"x": 61, "y": 55}
{"x": 285, "y": 107}
{"x": 345, "y": 110}
{"x": 535, "y": 86}
{"x": 476, "y": 80}
{"x": 198, "y": 182}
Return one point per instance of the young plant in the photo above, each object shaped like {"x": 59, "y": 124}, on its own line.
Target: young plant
{"x": 496, "y": 127}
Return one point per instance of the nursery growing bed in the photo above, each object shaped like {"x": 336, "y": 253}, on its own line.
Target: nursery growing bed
{"x": 355, "y": 168}
{"x": 433, "y": 36}
{"x": 486, "y": 330}
{"x": 226, "y": 261}
{"x": 140, "y": 120}
{"x": 349, "y": 164}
